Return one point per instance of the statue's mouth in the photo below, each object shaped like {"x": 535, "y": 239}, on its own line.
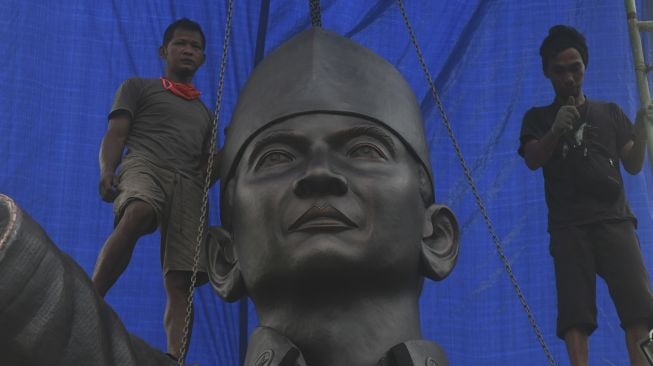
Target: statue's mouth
{"x": 322, "y": 217}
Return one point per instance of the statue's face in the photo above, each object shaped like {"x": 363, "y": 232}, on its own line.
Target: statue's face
{"x": 326, "y": 196}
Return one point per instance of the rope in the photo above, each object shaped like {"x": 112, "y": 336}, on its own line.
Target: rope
{"x": 207, "y": 184}
{"x": 472, "y": 185}
{"x": 316, "y": 13}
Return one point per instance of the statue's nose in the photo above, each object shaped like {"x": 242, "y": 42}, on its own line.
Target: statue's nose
{"x": 320, "y": 180}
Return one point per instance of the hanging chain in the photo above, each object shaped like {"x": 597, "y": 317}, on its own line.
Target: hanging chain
{"x": 207, "y": 184}
{"x": 316, "y": 13}
{"x": 472, "y": 185}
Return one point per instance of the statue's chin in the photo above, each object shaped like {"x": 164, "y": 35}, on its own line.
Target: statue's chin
{"x": 329, "y": 274}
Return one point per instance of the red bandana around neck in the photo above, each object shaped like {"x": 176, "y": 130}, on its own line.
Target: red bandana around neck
{"x": 186, "y": 91}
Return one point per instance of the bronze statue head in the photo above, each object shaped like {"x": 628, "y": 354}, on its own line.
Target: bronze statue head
{"x": 319, "y": 71}
{"x": 327, "y": 188}
{"x": 320, "y": 78}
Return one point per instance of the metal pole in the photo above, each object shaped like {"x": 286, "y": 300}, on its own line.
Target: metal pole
{"x": 640, "y": 65}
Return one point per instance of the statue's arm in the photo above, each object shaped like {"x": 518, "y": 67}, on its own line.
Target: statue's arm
{"x": 50, "y": 314}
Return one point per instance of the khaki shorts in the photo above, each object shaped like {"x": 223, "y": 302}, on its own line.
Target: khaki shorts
{"x": 176, "y": 200}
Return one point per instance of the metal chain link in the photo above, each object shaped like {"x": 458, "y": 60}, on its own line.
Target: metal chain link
{"x": 207, "y": 184}
{"x": 316, "y": 13}
{"x": 472, "y": 185}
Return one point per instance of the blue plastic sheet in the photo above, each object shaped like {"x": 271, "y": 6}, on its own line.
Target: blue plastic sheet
{"x": 61, "y": 62}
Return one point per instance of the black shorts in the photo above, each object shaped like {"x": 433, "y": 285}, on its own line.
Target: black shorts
{"x": 611, "y": 250}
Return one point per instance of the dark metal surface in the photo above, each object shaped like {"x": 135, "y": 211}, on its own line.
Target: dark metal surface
{"x": 50, "y": 313}
{"x": 330, "y": 225}
{"x": 320, "y": 71}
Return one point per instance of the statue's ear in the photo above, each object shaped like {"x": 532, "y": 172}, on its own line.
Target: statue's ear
{"x": 223, "y": 268}
{"x": 440, "y": 242}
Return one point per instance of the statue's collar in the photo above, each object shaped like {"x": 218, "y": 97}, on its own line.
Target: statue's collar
{"x": 267, "y": 347}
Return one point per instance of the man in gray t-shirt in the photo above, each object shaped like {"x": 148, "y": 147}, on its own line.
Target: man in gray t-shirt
{"x": 165, "y": 130}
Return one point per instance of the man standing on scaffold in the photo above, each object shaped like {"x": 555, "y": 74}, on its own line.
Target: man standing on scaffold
{"x": 581, "y": 144}
{"x": 166, "y": 129}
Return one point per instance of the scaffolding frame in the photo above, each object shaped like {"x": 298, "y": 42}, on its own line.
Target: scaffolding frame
{"x": 635, "y": 27}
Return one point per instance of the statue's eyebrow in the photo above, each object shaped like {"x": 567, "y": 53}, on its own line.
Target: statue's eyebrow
{"x": 285, "y": 137}
{"x": 370, "y": 131}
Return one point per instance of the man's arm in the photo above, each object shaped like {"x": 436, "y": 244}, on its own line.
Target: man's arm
{"x": 111, "y": 150}
{"x": 538, "y": 152}
{"x": 633, "y": 153}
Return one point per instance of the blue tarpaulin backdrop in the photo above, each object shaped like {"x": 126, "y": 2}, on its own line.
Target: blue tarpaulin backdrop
{"x": 61, "y": 62}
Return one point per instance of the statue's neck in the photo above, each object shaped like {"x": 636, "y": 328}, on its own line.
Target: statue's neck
{"x": 341, "y": 332}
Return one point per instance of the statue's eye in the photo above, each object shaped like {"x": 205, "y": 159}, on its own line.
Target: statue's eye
{"x": 274, "y": 157}
{"x": 367, "y": 151}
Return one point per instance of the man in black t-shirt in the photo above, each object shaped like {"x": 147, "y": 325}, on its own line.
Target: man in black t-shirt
{"x": 580, "y": 145}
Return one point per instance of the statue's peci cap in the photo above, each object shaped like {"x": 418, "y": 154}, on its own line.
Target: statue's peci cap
{"x": 318, "y": 71}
